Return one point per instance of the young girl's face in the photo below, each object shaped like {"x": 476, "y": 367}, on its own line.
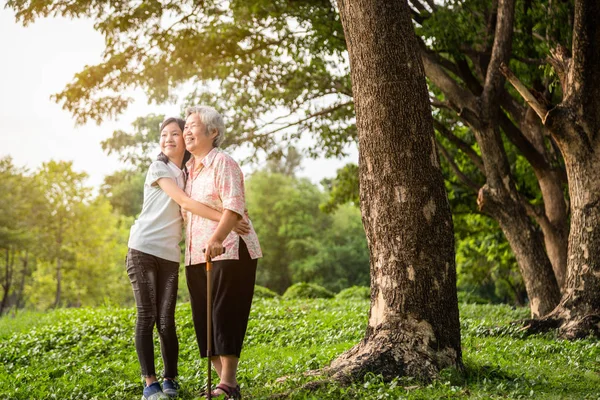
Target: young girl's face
{"x": 171, "y": 141}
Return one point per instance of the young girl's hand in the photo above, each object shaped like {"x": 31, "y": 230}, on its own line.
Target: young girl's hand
{"x": 242, "y": 227}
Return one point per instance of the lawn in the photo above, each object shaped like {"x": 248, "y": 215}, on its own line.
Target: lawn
{"x": 89, "y": 354}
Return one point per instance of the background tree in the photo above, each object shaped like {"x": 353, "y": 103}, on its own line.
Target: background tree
{"x": 60, "y": 246}
{"x": 18, "y": 196}
{"x": 575, "y": 125}
{"x": 286, "y": 215}
{"x": 339, "y": 256}
{"x": 477, "y": 97}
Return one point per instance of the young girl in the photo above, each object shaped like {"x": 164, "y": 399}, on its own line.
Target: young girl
{"x": 154, "y": 255}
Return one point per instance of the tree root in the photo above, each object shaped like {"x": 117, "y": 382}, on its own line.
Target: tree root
{"x": 390, "y": 355}
{"x": 575, "y": 327}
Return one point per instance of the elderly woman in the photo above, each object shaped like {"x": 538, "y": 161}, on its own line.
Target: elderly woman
{"x": 216, "y": 180}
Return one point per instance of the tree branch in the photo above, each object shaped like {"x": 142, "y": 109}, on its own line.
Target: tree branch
{"x": 418, "y": 5}
{"x": 536, "y": 212}
{"x": 463, "y": 146}
{"x": 500, "y": 51}
{"x": 585, "y": 67}
{"x": 432, "y": 5}
{"x": 444, "y": 62}
{"x": 440, "y": 104}
{"x": 416, "y": 16}
{"x": 515, "y": 109}
{"x": 514, "y": 134}
{"x": 464, "y": 100}
{"x": 472, "y": 186}
{"x": 314, "y": 115}
{"x": 561, "y": 62}
{"x": 540, "y": 109}
{"x": 467, "y": 76}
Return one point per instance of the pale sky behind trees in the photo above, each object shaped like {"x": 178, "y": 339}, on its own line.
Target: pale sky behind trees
{"x": 38, "y": 61}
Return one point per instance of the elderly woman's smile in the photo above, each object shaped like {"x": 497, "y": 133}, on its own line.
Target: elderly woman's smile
{"x": 198, "y": 140}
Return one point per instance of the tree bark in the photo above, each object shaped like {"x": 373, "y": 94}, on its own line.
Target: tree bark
{"x": 555, "y": 222}
{"x": 575, "y": 125}
{"x": 499, "y": 196}
{"x": 413, "y": 322}
{"x": 579, "y": 310}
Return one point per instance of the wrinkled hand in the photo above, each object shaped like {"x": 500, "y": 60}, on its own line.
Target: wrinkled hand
{"x": 242, "y": 227}
{"x": 214, "y": 248}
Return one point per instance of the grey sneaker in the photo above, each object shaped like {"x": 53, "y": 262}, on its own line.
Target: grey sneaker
{"x": 170, "y": 387}
{"x": 154, "y": 392}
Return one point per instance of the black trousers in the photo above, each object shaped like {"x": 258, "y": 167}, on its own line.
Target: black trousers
{"x": 232, "y": 288}
{"x": 155, "y": 283}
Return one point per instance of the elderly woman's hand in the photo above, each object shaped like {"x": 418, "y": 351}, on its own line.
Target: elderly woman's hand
{"x": 214, "y": 248}
{"x": 241, "y": 227}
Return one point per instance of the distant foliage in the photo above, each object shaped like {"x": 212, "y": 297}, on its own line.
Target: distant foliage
{"x": 354, "y": 292}
{"x": 261, "y": 292}
{"x": 486, "y": 266}
{"x": 300, "y": 242}
{"x": 62, "y": 245}
{"x": 470, "y": 298}
{"x": 307, "y": 291}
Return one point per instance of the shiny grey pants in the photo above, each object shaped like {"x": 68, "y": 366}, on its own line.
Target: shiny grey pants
{"x": 154, "y": 281}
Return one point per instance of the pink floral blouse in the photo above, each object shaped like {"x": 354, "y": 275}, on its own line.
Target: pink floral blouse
{"x": 218, "y": 183}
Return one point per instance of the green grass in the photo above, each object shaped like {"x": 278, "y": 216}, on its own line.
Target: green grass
{"x": 89, "y": 354}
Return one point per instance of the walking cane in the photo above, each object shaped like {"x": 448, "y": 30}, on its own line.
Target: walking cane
{"x": 208, "y": 325}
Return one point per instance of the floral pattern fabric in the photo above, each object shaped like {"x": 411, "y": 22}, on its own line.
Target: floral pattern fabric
{"x": 219, "y": 183}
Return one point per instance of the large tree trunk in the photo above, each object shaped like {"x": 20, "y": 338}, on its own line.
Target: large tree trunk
{"x": 499, "y": 196}
{"x": 575, "y": 125}
{"x": 526, "y": 243}
{"x": 413, "y": 325}
{"x": 579, "y": 310}
{"x": 554, "y": 222}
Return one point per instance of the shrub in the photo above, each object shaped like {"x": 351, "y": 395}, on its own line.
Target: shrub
{"x": 307, "y": 291}
{"x": 471, "y": 298}
{"x": 355, "y": 292}
{"x": 261, "y": 292}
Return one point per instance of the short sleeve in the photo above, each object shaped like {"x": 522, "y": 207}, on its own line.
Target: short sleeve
{"x": 230, "y": 184}
{"x": 157, "y": 170}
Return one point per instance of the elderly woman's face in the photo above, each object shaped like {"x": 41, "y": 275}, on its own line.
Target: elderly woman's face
{"x": 196, "y": 139}
{"x": 171, "y": 140}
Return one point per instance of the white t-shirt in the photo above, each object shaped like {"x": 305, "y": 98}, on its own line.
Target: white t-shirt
{"x": 158, "y": 229}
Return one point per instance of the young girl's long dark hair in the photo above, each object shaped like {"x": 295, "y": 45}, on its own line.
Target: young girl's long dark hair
{"x": 162, "y": 156}
{"x": 186, "y": 155}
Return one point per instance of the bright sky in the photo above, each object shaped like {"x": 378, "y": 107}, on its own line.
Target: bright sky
{"x": 39, "y": 61}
